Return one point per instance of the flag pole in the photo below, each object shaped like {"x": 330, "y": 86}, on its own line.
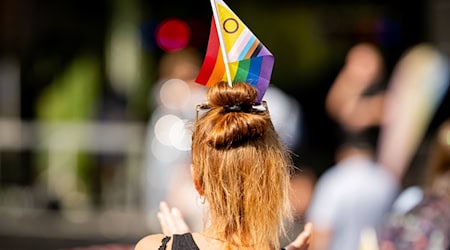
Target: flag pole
{"x": 221, "y": 41}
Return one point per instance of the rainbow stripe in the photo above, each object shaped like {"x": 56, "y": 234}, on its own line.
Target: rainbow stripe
{"x": 249, "y": 60}
{"x": 416, "y": 89}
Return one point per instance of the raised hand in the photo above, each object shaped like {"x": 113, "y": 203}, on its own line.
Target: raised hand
{"x": 171, "y": 220}
{"x": 303, "y": 240}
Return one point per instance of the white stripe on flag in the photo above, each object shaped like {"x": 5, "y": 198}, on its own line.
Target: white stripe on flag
{"x": 239, "y": 45}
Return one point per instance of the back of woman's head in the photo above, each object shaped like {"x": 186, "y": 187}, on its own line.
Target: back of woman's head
{"x": 242, "y": 167}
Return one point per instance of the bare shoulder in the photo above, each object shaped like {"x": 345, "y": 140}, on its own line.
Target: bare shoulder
{"x": 152, "y": 241}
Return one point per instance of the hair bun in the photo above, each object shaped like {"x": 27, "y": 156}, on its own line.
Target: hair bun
{"x": 222, "y": 95}
{"x": 235, "y": 121}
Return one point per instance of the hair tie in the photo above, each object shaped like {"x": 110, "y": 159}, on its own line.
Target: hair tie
{"x": 234, "y": 108}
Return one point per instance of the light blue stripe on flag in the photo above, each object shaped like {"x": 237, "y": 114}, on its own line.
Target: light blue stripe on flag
{"x": 247, "y": 47}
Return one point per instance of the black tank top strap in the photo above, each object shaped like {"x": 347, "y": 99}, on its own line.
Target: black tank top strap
{"x": 184, "y": 242}
{"x": 164, "y": 243}
{"x": 181, "y": 242}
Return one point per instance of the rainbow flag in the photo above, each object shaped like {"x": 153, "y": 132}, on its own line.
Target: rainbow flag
{"x": 248, "y": 59}
{"x": 416, "y": 89}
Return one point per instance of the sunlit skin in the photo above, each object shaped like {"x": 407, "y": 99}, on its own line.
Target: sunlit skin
{"x": 345, "y": 101}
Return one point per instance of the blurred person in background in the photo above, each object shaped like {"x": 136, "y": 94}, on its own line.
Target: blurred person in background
{"x": 167, "y": 155}
{"x": 427, "y": 224}
{"x": 356, "y": 192}
{"x": 350, "y": 203}
{"x": 418, "y": 86}
{"x": 302, "y": 186}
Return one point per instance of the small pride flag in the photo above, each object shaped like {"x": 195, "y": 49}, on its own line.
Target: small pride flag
{"x": 246, "y": 58}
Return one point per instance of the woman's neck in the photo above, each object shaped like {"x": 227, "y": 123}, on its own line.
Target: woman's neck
{"x": 235, "y": 241}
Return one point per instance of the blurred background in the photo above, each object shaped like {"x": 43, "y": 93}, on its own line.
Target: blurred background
{"x": 95, "y": 97}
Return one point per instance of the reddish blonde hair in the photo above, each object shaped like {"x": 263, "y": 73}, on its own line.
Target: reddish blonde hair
{"x": 242, "y": 167}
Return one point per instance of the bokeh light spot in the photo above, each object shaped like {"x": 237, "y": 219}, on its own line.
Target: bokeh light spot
{"x": 164, "y": 153}
{"x": 175, "y": 94}
{"x": 180, "y": 136}
{"x": 173, "y": 34}
{"x": 163, "y": 128}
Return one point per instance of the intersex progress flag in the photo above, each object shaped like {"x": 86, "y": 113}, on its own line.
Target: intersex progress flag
{"x": 246, "y": 58}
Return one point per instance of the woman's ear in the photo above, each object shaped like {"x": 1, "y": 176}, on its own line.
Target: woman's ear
{"x": 197, "y": 185}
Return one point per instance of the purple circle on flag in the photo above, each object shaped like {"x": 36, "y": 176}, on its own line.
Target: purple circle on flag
{"x": 230, "y": 25}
